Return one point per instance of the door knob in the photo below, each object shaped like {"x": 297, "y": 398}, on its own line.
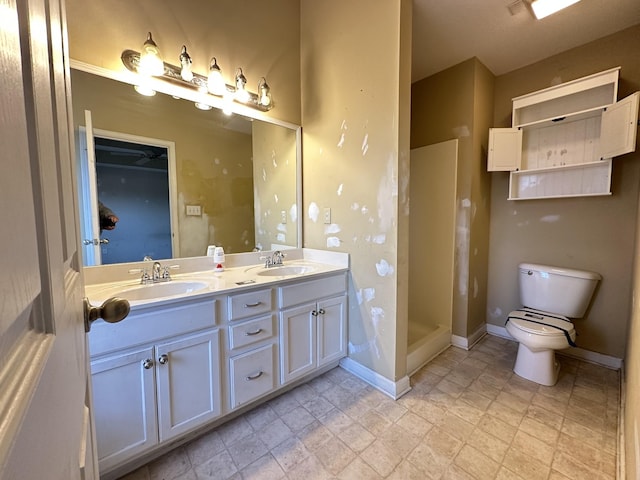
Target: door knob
{"x": 164, "y": 359}
{"x": 112, "y": 310}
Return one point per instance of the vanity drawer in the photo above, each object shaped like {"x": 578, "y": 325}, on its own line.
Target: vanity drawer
{"x": 250, "y": 332}
{"x": 151, "y": 325}
{"x": 252, "y": 375}
{"x": 312, "y": 290}
{"x": 249, "y": 304}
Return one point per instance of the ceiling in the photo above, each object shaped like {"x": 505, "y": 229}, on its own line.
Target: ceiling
{"x": 504, "y": 34}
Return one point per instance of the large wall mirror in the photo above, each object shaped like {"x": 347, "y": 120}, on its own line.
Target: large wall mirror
{"x": 179, "y": 178}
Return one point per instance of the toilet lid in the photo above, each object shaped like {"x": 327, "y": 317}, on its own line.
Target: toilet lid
{"x": 539, "y": 323}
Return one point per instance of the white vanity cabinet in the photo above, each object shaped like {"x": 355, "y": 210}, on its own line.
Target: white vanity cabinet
{"x": 150, "y": 391}
{"x": 563, "y": 138}
{"x": 313, "y": 325}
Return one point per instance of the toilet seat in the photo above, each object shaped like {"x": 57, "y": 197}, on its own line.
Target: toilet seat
{"x": 536, "y": 322}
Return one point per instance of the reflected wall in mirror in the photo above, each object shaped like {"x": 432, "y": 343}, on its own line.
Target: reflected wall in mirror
{"x": 241, "y": 172}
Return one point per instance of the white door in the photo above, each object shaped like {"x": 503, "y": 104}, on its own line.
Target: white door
{"x": 45, "y": 420}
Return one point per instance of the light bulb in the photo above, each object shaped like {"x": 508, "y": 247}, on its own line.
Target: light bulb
{"x": 185, "y": 61}
{"x": 150, "y": 61}
{"x": 264, "y": 91}
{"x": 215, "y": 82}
{"x": 241, "y": 92}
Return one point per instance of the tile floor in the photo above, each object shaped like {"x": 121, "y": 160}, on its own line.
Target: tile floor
{"x": 467, "y": 417}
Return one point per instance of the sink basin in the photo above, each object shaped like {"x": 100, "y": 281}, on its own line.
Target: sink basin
{"x": 285, "y": 270}
{"x": 158, "y": 290}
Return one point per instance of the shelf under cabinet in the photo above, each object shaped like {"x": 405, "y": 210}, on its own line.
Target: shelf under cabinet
{"x": 585, "y": 179}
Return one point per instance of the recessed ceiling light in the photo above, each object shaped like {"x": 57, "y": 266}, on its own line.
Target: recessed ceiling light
{"x": 544, "y": 8}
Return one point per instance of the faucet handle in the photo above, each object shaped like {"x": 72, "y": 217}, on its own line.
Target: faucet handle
{"x": 165, "y": 274}
{"x": 145, "y": 278}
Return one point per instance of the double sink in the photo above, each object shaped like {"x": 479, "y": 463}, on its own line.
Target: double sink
{"x": 201, "y": 282}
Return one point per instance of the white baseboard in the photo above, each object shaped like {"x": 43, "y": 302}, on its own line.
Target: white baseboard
{"x": 574, "y": 352}
{"x": 468, "y": 342}
{"x": 393, "y": 389}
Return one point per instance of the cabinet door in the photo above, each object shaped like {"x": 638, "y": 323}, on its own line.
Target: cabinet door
{"x": 618, "y": 128}
{"x": 332, "y": 329}
{"x": 298, "y": 342}
{"x": 505, "y": 149}
{"x": 188, "y": 378}
{"x": 124, "y": 406}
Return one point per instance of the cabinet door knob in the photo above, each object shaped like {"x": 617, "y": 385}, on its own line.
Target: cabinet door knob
{"x": 321, "y": 311}
{"x": 254, "y": 376}
{"x": 314, "y": 313}
{"x": 147, "y": 364}
{"x": 255, "y": 332}
{"x": 163, "y": 359}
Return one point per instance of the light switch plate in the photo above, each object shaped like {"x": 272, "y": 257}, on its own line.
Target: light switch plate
{"x": 194, "y": 210}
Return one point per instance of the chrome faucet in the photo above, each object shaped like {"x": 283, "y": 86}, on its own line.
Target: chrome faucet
{"x": 158, "y": 274}
{"x": 278, "y": 257}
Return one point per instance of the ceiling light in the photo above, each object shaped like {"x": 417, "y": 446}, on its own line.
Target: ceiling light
{"x": 544, "y": 8}
{"x": 150, "y": 61}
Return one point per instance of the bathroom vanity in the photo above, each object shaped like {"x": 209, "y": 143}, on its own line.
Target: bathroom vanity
{"x": 209, "y": 346}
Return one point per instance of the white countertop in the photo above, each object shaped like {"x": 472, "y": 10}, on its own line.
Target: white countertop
{"x": 199, "y": 280}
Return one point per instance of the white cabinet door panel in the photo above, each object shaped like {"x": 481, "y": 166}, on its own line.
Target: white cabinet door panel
{"x": 619, "y": 127}
{"x": 188, "y": 377}
{"x": 332, "y": 329}
{"x": 505, "y": 149}
{"x": 124, "y": 406}
{"x": 298, "y": 342}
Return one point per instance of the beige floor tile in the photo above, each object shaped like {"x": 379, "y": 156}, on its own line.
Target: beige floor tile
{"x": 381, "y": 458}
{"x": 534, "y": 447}
{"x": 496, "y": 427}
{"x": 525, "y": 466}
{"x": 468, "y": 416}
{"x": 334, "y": 455}
{"x": 265, "y": 468}
{"x": 358, "y": 469}
{"x": 491, "y": 446}
{"x": 356, "y": 437}
{"x": 476, "y": 463}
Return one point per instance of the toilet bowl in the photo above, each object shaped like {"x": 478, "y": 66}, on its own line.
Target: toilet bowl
{"x": 551, "y": 295}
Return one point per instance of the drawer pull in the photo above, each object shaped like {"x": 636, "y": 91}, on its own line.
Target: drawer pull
{"x": 254, "y": 376}
{"x": 255, "y": 332}
{"x": 251, "y": 305}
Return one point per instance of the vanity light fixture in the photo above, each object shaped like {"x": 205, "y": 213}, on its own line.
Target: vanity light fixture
{"x": 185, "y": 61}
{"x": 203, "y": 106}
{"x": 184, "y": 76}
{"x": 264, "y": 93}
{"x": 215, "y": 82}
{"x": 241, "y": 92}
{"x": 544, "y": 8}
{"x": 150, "y": 61}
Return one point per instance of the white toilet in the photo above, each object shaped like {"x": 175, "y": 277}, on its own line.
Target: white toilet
{"x": 550, "y": 295}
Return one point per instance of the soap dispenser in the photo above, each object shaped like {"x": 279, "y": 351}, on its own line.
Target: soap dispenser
{"x": 218, "y": 259}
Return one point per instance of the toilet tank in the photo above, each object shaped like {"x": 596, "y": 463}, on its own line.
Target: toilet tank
{"x": 564, "y": 291}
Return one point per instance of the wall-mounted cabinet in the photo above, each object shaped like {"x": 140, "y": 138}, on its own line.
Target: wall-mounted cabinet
{"x": 563, "y": 138}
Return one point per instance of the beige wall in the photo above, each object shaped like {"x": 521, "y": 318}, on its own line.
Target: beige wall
{"x": 457, "y": 103}
{"x": 632, "y": 373}
{"x": 262, "y": 39}
{"x": 594, "y": 233}
{"x": 355, "y": 113}
{"x": 213, "y": 164}
{"x": 274, "y": 172}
